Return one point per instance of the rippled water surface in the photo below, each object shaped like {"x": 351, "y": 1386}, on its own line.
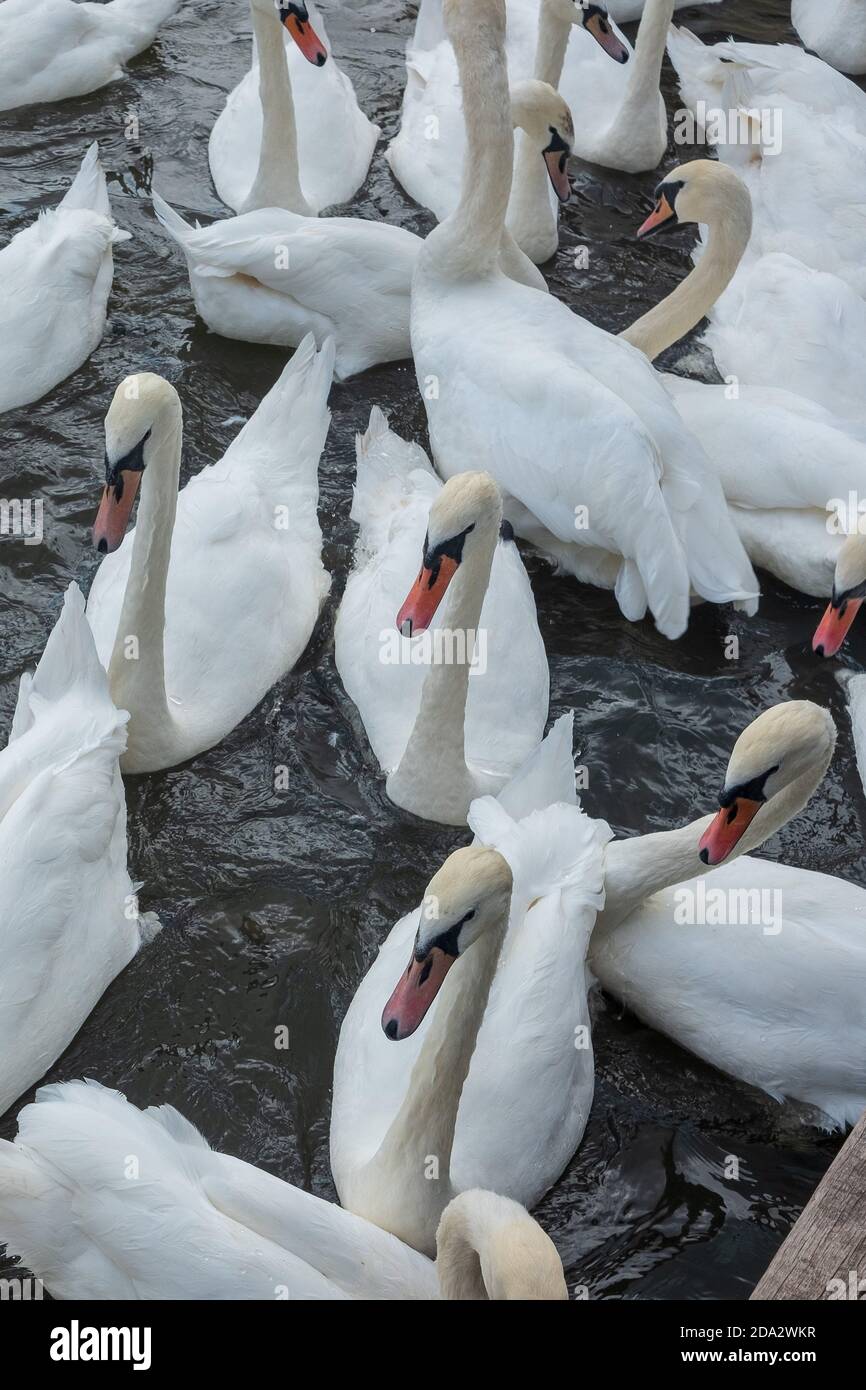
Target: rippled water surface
{"x": 274, "y": 903}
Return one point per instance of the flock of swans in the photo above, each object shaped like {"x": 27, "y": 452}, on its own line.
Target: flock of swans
{"x": 467, "y": 1053}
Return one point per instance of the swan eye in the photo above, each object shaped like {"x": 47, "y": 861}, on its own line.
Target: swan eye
{"x": 133, "y": 462}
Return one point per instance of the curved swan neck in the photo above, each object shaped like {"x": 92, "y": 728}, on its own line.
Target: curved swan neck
{"x": 136, "y": 671}
{"x": 467, "y": 1246}
{"x": 489, "y": 1247}
{"x": 692, "y": 300}
{"x": 437, "y": 739}
{"x": 645, "y": 864}
{"x": 277, "y": 182}
{"x": 468, "y": 242}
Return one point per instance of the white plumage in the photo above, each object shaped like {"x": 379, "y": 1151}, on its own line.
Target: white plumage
{"x": 69, "y": 922}
{"x": 55, "y": 278}
{"x": 54, "y": 49}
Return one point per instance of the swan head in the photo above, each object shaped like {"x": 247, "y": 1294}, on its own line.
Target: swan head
{"x": 137, "y": 405}
{"x": 595, "y": 20}
{"x": 702, "y": 191}
{"x": 545, "y": 116}
{"x": 295, "y": 17}
{"x": 469, "y": 895}
{"x": 489, "y": 1247}
{"x": 849, "y": 591}
{"x": 462, "y": 515}
{"x": 786, "y": 743}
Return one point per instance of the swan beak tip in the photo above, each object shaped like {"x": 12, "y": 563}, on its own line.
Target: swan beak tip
{"x": 114, "y": 512}
{"x": 599, "y": 26}
{"x": 425, "y": 596}
{"x": 661, "y": 214}
{"x": 414, "y": 993}
{"x": 557, "y": 168}
{"x": 307, "y": 39}
{"x": 833, "y": 628}
{"x": 726, "y": 830}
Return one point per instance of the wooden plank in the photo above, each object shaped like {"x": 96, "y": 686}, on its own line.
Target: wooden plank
{"x": 828, "y": 1242}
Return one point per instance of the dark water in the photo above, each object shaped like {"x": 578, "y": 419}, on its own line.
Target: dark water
{"x": 273, "y": 904}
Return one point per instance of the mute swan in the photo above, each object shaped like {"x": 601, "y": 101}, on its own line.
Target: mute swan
{"x": 69, "y": 922}
{"x": 780, "y": 458}
{"x": 807, "y": 153}
{"x": 834, "y": 29}
{"x": 446, "y": 725}
{"x": 184, "y": 653}
{"x": 759, "y": 968}
{"x": 272, "y": 276}
{"x": 105, "y": 1201}
{"x": 53, "y": 49}
{"x": 573, "y": 423}
{"x": 848, "y": 593}
{"x": 335, "y": 141}
{"x": 55, "y": 278}
{"x": 427, "y": 154}
{"x": 494, "y": 1087}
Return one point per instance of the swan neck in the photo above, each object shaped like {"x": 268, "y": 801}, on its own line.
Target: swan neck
{"x": 646, "y": 864}
{"x": 551, "y": 46}
{"x": 642, "y": 90}
{"x": 277, "y": 181}
{"x": 438, "y": 734}
{"x": 467, "y": 243}
{"x": 421, "y": 1134}
{"x": 136, "y": 671}
{"x": 693, "y": 299}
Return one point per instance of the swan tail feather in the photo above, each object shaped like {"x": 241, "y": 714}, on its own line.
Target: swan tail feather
{"x": 88, "y": 189}
{"x": 385, "y": 463}
{"x": 69, "y": 665}
{"x": 546, "y": 776}
{"x": 281, "y": 444}
{"x": 172, "y": 221}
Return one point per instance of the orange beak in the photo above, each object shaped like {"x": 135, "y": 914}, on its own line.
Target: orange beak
{"x": 727, "y": 830}
{"x": 557, "y": 168}
{"x": 112, "y": 518}
{"x": 661, "y": 213}
{"x": 601, "y": 31}
{"x": 425, "y": 597}
{"x": 833, "y": 627}
{"x": 306, "y": 38}
{"x": 414, "y": 994}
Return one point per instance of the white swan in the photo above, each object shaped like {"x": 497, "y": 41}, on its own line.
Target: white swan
{"x": 621, "y": 122}
{"x": 759, "y": 968}
{"x": 335, "y": 139}
{"x": 102, "y": 1200}
{"x": 55, "y": 278}
{"x": 427, "y": 154}
{"x": 273, "y": 275}
{"x": 494, "y": 1087}
{"x": 835, "y": 30}
{"x": 453, "y": 715}
{"x": 807, "y": 151}
{"x": 54, "y": 49}
{"x": 573, "y": 423}
{"x": 214, "y": 594}
{"x": 781, "y": 459}
{"x": 69, "y": 922}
